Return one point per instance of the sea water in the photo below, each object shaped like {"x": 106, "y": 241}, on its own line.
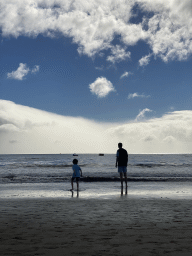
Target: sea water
{"x": 149, "y": 175}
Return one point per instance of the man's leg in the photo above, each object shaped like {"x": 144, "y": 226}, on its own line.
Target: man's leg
{"x": 121, "y": 178}
{"x": 125, "y": 175}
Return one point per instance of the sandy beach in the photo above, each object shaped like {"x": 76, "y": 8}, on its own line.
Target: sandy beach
{"x": 76, "y": 226}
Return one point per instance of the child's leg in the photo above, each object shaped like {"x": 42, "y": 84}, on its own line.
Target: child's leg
{"x": 77, "y": 185}
{"x": 72, "y": 183}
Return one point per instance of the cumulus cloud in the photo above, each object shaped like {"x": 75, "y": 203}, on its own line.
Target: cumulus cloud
{"x": 93, "y": 25}
{"x": 28, "y": 130}
{"x": 35, "y": 69}
{"x": 142, "y": 114}
{"x": 144, "y": 61}
{"x": 22, "y": 72}
{"x": 118, "y": 54}
{"x": 136, "y": 95}
{"x": 101, "y": 87}
{"x": 126, "y": 74}
{"x": 169, "y": 29}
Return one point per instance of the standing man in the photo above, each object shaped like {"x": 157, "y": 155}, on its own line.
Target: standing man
{"x": 121, "y": 162}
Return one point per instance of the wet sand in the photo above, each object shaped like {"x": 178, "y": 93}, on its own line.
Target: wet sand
{"x": 95, "y": 226}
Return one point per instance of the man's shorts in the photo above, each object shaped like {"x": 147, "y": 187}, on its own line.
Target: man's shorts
{"x": 77, "y": 178}
{"x": 122, "y": 169}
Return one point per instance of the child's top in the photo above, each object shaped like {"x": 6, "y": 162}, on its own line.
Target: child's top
{"x": 76, "y": 171}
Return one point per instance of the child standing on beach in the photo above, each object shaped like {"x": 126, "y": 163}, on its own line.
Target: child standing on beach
{"x": 77, "y": 173}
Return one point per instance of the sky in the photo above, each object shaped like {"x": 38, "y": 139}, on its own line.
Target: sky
{"x": 80, "y": 76}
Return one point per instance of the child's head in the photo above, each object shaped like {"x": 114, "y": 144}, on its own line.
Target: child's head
{"x": 75, "y": 161}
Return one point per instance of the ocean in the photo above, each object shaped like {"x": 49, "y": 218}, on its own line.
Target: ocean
{"x": 149, "y": 175}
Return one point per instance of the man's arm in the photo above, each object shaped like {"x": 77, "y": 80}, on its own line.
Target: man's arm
{"x": 117, "y": 158}
{"x": 116, "y": 162}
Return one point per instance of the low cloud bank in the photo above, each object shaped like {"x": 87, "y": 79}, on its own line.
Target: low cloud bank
{"x": 28, "y": 130}
{"x": 172, "y": 133}
{"x": 36, "y": 131}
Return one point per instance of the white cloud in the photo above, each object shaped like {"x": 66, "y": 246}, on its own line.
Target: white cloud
{"x": 36, "y": 131}
{"x": 141, "y": 114}
{"x": 171, "y": 133}
{"x": 22, "y": 72}
{"x": 100, "y": 68}
{"x": 170, "y": 30}
{"x": 149, "y": 138}
{"x": 101, "y": 87}
{"x": 126, "y": 74}
{"x": 136, "y": 95}
{"x": 118, "y": 54}
{"x": 28, "y": 130}
{"x": 144, "y": 61}
{"x": 35, "y": 69}
{"x": 93, "y": 25}
{"x": 169, "y": 139}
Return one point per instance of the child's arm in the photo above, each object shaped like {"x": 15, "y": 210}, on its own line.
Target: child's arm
{"x": 81, "y": 173}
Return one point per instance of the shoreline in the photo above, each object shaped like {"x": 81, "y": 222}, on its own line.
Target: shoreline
{"x": 77, "y": 226}
{"x": 97, "y": 190}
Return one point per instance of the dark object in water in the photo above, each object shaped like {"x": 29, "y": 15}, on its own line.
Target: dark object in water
{"x": 75, "y": 155}
{"x": 101, "y": 154}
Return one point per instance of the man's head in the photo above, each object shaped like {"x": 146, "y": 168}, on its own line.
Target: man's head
{"x": 120, "y": 145}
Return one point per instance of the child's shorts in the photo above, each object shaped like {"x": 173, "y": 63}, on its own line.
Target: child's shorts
{"x": 76, "y": 178}
{"x": 122, "y": 169}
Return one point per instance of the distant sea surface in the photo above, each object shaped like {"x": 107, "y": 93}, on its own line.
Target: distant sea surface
{"x": 58, "y": 168}
{"x": 54, "y": 172}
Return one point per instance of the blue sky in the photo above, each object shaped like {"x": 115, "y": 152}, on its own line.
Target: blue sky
{"x": 62, "y": 83}
{"x": 108, "y": 63}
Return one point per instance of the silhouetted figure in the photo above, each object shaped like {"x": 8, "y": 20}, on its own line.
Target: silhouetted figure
{"x": 121, "y": 162}
{"x": 77, "y": 173}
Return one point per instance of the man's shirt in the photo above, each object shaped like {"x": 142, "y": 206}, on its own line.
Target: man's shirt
{"x": 122, "y": 157}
